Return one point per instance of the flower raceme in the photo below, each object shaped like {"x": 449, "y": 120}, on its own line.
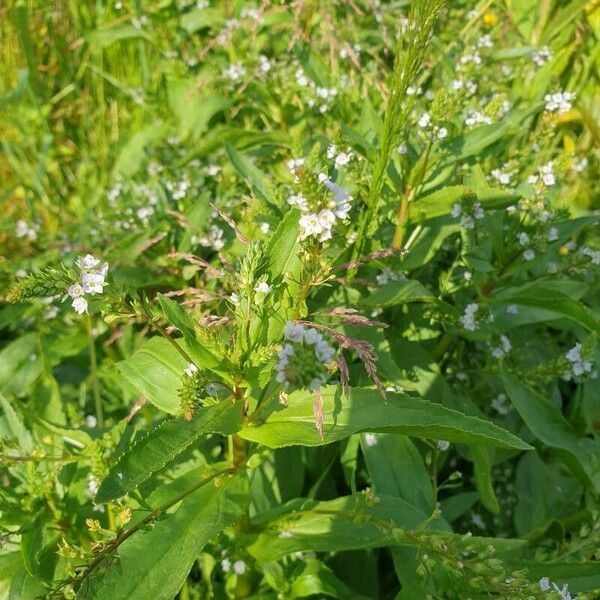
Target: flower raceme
{"x": 93, "y": 280}
{"x": 304, "y": 358}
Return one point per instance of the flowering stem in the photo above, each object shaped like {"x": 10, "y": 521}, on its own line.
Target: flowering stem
{"x": 94, "y": 370}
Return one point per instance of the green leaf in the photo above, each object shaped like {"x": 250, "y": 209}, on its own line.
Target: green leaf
{"x": 440, "y": 202}
{"x": 103, "y": 38}
{"x": 194, "y": 20}
{"x": 543, "y": 295}
{"x": 316, "y": 579}
{"x": 343, "y": 524}
{"x": 133, "y": 154}
{"x": 203, "y": 356}
{"x": 580, "y": 577}
{"x": 252, "y": 175}
{"x": 399, "y": 292}
{"x": 282, "y": 248}
{"x": 538, "y": 503}
{"x": 150, "y": 453}
{"x": 397, "y": 469}
{"x": 547, "y": 423}
{"x": 334, "y": 525}
{"x": 366, "y": 411}
{"x": 192, "y": 107}
{"x": 483, "y": 478}
{"x": 155, "y": 370}
{"x": 12, "y": 427}
{"x": 155, "y": 563}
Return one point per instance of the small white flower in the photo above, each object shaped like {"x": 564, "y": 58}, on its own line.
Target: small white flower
{"x": 263, "y": 288}
{"x": 239, "y": 566}
{"x": 443, "y": 445}
{"x": 512, "y": 309}
{"x": 75, "y": 290}
{"x": 455, "y": 212}
{"x": 233, "y": 297}
{"x": 552, "y": 234}
{"x": 190, "y": 370}
{"x": 226, "y": 565}
{"x": 370, "y": 439}
{"x": 529, "y": 254}
{"x": 87, "y": 262}
{"x": 523, "y": 238}
{"x": 80, "y": 305}
{"x": 424, "y": 121}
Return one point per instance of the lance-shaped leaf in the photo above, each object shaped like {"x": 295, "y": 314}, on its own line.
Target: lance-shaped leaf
{"x": 345, "y": 524}
{"x": 543, "y": 295}
{"x": 158, "y": 447}
{"x": 199, "y": 350}
{"x": 547, "y": 423}
{"x": 155, "y": 563}
{"x": 364, "y": 410}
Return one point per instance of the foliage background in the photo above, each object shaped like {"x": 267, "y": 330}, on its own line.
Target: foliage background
{"x": 123, "y": 123}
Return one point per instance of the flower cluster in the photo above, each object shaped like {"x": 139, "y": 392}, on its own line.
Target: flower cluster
{"x": 93, "y": 275}
{"x": 304, "y": 358}
{"x": 559, "y": 103}
{"x": 541, "y": 56}
{"x": 319, "y": 224}
{"x": 503, "y": 348}
{"x": 25, "y": 230}
{"x": 579, "y": 365}
{"x": 466, "y": 220}
{"x": 546, "y": 585}
{"x": 468, "y": 320}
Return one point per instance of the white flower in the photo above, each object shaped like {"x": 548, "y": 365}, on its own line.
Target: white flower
{"x": 293, "y": 331}
{"x": 92, "y": 282}
{"x": 226, "y": 565}
{"x": 310, "y": 225}
{"x": 523, "y": 238}
{"x": 326, "y": 218}
{"x": 593, "y": 254}
{"x": 235, "y": 72}
{"x": 468, "y": 319}
{"x": 559, "y": 103}
{"x": 75, "y": 290}
{"x": 342, "y": 159}
{"x": 455, "y": 212}
{"x": 529, "y": 254}
{"x": 87, "y": 262}
{"x": 512, "y": 309}
{"x": 80, "y": 305}
{"x": 424, "y": 121}
{"x": 190, "y": 370}
{"x": 541, "y": 56}
{"x": 579, "y": 365}
{"x": 239, "y": 566}
{"x": 503, "y": 177}
{"x": 485, "y": 41}
{"x": 402, "y": 149}
{"x": 263, "y": 288}
{"x": 370, "y": 440}
{"x": 552, "y": 234}
{"x": 443, "y": 445}
{"x": 544, "y": 584}
{"x": 234, "y": 297}
{"x": 23, "y": 229}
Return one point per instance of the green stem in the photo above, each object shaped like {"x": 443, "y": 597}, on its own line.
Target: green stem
{"x": 124, "y": 535}
{"x": 94, "y": 370}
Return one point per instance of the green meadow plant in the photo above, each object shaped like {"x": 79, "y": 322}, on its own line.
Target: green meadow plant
{"x": 300, "y": 300}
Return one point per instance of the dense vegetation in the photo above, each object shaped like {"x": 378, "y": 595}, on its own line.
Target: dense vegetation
{"x": 299, "y": 299}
